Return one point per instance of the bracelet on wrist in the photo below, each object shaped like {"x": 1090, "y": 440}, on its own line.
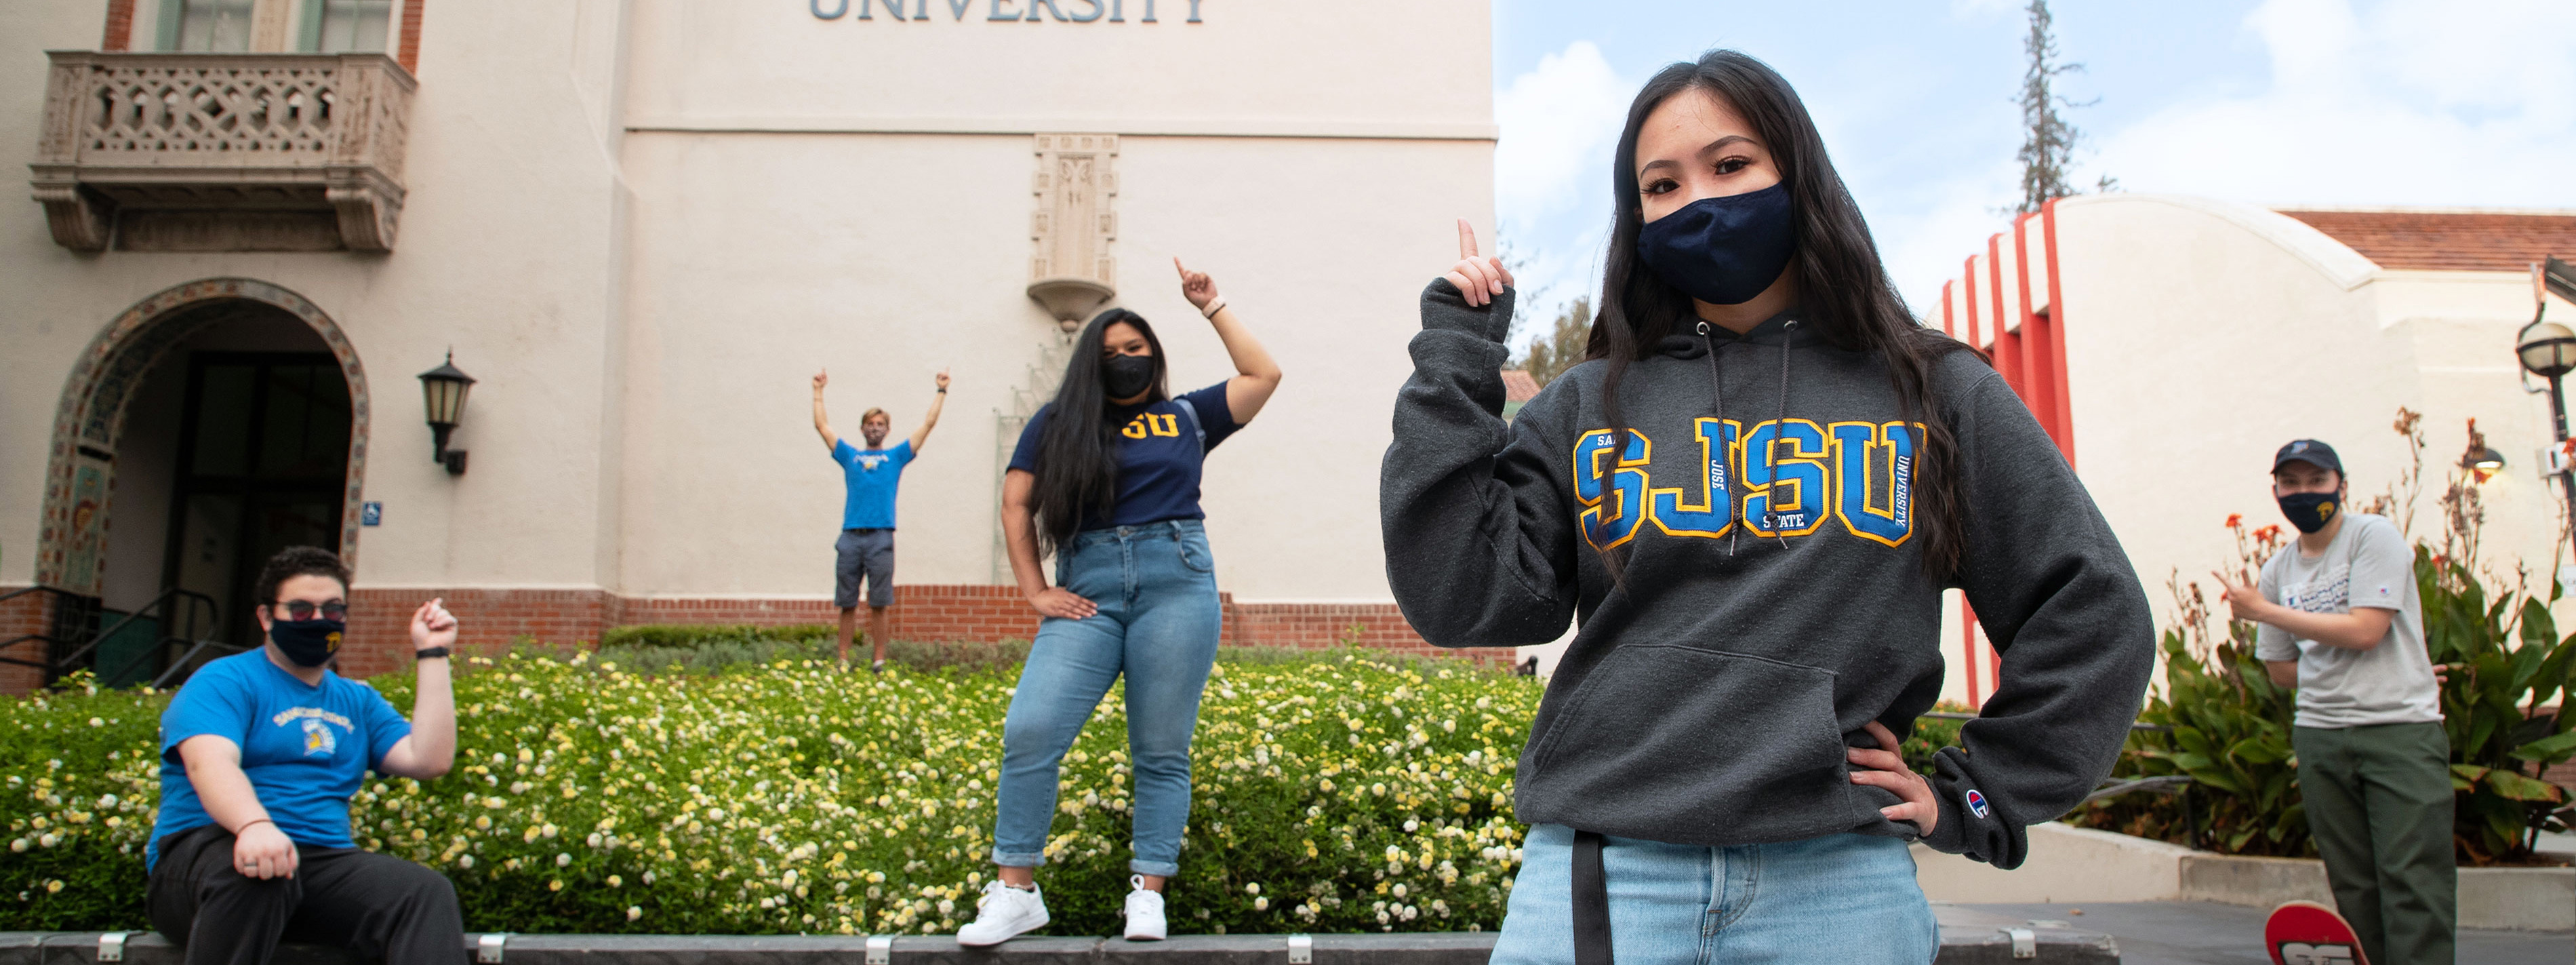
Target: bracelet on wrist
{"x": 246, "y": 825}
{"x": 430, "y": 653}
{"x": 1214, "y": 306}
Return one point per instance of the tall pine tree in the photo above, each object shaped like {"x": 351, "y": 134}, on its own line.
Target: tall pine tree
{"x": 2048, "y": 139}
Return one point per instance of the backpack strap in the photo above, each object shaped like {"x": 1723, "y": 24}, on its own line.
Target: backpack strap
{"x": 1191, "y": 412}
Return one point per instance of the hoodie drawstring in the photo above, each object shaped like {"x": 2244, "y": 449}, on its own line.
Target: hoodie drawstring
{"x": 1788, "y": 329}
{"x": 1717, "y": 393}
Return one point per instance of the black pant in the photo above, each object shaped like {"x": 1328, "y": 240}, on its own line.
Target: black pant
{"x": 379, "y": 906}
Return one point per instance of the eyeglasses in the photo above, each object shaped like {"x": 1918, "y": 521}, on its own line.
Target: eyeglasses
{"x": 302, "y": 610}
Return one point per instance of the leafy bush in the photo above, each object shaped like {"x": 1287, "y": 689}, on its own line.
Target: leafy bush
{"x": 687, "y": 636}
{"x": 1341, "y": 792}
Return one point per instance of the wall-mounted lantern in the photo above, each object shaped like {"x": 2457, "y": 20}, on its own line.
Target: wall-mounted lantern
{"x": 443, "y": 390}
{"x": 2483, "y": 461}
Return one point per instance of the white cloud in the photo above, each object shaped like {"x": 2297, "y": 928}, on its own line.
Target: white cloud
{"x": 1559, "y": 123}
{"x": 2406, "y": 102}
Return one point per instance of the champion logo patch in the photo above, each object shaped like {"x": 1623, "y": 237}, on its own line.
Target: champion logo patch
{"x": 1977, "y": 804}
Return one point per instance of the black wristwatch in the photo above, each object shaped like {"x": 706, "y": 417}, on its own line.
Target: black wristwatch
{"x": 418, "y": 655}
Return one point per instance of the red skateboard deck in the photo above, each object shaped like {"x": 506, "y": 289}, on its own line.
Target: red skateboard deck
{"x": 2307, "y": 933}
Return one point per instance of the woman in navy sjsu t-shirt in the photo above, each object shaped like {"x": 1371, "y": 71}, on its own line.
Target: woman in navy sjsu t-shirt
{"x": 1107, "y": 476}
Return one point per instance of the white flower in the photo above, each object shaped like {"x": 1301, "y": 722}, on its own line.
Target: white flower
{"x": 1252, "y": 889}
{"x": 563, "y": 859}
{"x": 466, "y": 861}
{"x": 1398, "y": 889}
{"x": 18, "y": 846}
{"x": 1411, "y": 825}
{"x": 632, "y": 911}
{"x": 47, "y": 840}
{"x": 1261, "y": 904}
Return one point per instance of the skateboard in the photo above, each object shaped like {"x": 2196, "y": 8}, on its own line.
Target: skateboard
{"x": 2307, "y": 933}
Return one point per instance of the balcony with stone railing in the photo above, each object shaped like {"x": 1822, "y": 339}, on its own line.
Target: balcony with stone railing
{"x": 223, "y": 152}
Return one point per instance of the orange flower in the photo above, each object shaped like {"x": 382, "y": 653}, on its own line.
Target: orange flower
{"x": 2268, "y": 533}
{"x": 2236, "y": 521}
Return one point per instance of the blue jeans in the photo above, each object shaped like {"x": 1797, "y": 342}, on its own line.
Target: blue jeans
{"x": 1155, "y": 586}
{"x": 1840, "y": 898}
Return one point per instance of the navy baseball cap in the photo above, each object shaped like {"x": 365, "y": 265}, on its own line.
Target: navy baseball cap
{"x": 2309, "y": 451}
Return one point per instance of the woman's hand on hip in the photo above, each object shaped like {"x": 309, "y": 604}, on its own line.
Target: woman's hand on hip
{"x": 1885, "y": 768}
{"x": 1056, "y": 601}
{"x": 1478, "y": 278}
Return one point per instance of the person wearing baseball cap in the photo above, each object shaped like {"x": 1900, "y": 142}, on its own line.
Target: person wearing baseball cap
{"x": 2338, "y": 617}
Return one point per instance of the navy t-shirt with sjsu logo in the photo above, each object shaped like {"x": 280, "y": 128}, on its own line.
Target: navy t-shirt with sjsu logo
{"x": 1159, "y": 454}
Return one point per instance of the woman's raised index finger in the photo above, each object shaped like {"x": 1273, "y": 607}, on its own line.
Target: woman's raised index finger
{"x": 1466, "y": 239}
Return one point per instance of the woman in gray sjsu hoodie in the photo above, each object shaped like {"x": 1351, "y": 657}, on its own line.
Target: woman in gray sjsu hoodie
{"x": 1753, "y": 495}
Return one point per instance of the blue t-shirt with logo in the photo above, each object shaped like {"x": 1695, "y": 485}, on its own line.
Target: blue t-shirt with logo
{"x": 305, "y": 748}
{"x": 1159, "y": 454}
{"x": 870, "y": 475}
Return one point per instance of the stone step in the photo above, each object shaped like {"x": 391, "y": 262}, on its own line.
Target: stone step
{"x": 1967, "y": 938}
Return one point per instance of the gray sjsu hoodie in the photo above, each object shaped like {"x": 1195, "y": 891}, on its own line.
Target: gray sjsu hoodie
{"x": 1773, "y": 598}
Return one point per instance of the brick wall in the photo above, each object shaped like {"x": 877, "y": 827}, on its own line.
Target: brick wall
{"x": 120, "y": 25}
{"x": 408, "y": 52}
{"x": 32, "y": 613}
{"x": 380, "y": 621}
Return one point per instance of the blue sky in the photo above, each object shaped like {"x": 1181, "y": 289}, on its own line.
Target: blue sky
{"x": 2277, "y": 102}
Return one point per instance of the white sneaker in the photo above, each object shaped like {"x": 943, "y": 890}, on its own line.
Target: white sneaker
{"x": 1144, "y": 912}
{"x": 1003, "y": 912}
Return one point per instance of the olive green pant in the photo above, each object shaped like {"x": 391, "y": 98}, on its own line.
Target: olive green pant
{"x": 2379, "y": 803}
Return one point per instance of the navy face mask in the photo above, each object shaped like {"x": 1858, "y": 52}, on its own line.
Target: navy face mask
{"x": 1126, "y": 376}
{"x": 1722, "y": 250}
{"x": 310, "y": 643}
{"x": 2310, "y": 512}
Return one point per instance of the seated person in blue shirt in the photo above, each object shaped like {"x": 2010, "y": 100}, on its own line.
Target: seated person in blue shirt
{"x": 261, "y": 752}
{"x": 866, "y": 546}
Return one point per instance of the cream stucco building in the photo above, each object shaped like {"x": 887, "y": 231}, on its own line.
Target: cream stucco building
{"x": 641, "y": 226}
{"x": 2171, "y": 344}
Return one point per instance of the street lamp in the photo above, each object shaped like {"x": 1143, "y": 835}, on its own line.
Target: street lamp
{"x": 2548, "y": 349}
{"x": 443, "y": 390}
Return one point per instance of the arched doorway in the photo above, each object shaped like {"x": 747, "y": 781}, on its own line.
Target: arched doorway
{"x": 205, "y": 427}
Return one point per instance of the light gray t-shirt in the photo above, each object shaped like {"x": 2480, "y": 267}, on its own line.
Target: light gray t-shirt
{"x": 2367, "y": 565}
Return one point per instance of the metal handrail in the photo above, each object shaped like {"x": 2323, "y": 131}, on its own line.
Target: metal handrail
{"x": 1955, "y": 715}
{"x": 167, "y": 596}
{"x": 195, "y": 635}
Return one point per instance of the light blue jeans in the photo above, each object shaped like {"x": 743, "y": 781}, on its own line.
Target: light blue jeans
{"x": 1155, "y": 586}
{"x": 1844, "y": 898}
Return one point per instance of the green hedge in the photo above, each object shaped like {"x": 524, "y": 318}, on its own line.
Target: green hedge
{"x": 1345, "y": 792}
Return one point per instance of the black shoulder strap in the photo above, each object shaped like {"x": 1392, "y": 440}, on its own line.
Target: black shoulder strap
{"x": 1591, "y": 902}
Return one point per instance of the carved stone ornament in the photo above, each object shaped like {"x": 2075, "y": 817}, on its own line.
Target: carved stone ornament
{"x": 223, "y": 152}
{"x": 1071, "y": 271}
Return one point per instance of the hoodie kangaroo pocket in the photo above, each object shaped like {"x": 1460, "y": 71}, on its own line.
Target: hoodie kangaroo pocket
{"x": 1694, "y": 746}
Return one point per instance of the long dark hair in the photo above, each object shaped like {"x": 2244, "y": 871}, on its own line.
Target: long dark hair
{"x": 1845, "y": 292}
{"x": 1078, "y": 453}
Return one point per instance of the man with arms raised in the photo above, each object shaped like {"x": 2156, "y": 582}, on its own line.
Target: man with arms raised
{"x": 2341, "y": 621}
{"x": 866, "y": 546}
{"x": 261, "y": 752}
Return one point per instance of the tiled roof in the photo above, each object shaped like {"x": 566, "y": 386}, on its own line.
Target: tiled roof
{"x": 1518, "y": 386}
{"x": 2457, "y": 240}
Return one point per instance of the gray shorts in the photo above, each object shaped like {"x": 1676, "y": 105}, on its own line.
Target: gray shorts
{"x": 865, "y": 553}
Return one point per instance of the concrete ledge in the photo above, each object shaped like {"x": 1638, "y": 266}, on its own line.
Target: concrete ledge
{"x": 1967, "y": 938}
{"x": 2069, "y": 864}
{"x": 2255, "y": 882}
{"x": 2066, "y": 863}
